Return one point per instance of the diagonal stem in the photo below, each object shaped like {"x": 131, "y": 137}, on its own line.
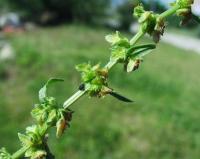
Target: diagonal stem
{"x": 20, "y": 152}
{"x": 73, "y": 98}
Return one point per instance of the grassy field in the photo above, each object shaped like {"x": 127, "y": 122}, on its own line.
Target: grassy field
{"x": 163, "y": 123}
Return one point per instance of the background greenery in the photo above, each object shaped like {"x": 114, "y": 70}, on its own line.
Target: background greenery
{"x": 57, "y": 11}
{"x": 162, "y": 123}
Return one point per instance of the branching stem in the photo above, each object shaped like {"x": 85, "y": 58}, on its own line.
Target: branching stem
{"x": 169, "y": 12}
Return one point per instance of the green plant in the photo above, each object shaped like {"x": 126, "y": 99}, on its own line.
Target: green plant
{"x": 48, "y": 113}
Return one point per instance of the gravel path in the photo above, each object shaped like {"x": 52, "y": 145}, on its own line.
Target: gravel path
{"x": 181, "y": 41}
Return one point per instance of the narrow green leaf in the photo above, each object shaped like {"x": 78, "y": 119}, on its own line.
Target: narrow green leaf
{"x": 120, "y": 97}
{"x": 141, "y": 52}
{"x": 43, "y": 90}
{"x": 140, "y": 47}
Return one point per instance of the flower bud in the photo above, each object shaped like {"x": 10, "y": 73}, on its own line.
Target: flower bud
{"x": 4, "y": 154}
{"x": 138, "y": 11}
{"x": 61, "y": 125}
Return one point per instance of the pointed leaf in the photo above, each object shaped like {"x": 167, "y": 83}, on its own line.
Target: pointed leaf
{"x": 113, "y": 38}
{"x": 141, "y": 52}
{"x": 130, "y": 65}
{"x": 120, "y": 97}
{"x": 134, "y": 49}
{"x": 43, "y": 90}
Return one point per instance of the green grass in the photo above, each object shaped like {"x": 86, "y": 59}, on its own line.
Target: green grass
{"x": 163, "y": 123}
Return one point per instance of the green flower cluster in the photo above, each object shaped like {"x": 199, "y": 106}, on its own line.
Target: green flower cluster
{"x": 119, "y": 46}
{"x": 123, "y": 52}
{"x": 184, "y": 3}
{"x": 184, "y": 10}
{"x": 47, "y": 114}
{"x": 50, "y": 114}
{"x": 150, "y": 22}
{"x": 4, "y": 154}
{"x": 94, "y": 78}
{"x": 34, "y": 141}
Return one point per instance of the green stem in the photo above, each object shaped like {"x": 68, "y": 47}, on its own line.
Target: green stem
{"x": 169, "y": 12}
{"x": 20, "y": 153}
{"x": 74, "y": 98}
{"x": 137, "y": 37}
{"x": 110, "y": 64}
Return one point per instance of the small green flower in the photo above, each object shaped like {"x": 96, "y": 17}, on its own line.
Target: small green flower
{"x": 117, "y": 39}
{"x": 150, "y": 22}
{"x": 34, "y": 139}
{"x": 184, "y": 3}
{"x": 146, "y": 18}
{"x": 138, "y": 11}
{"x": 36, "y": 153}
{"x": 45, "y": 112}
{"x": 93, "y": 76}
{"x": 119, "y": 46}
{"x": 4, "y": 154}
{"x": 184, "y": 10}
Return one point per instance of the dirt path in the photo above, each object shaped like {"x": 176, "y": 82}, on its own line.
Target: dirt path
{"x": 181, "y": 41}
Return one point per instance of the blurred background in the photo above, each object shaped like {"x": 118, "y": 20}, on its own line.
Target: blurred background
{"x": 47, "y": 38}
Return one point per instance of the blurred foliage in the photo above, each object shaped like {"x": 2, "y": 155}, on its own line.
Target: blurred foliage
{"x": 54, "y": 11}
{"x": 163, "y": 123}
{"x": 3, "y": 71}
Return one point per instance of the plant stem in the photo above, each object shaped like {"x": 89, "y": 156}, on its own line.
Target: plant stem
{"x": 74, "y": 98}
{"x": 110, "y": 64}
{"x": 137, "y": 37}
{"x": 20, "y": 152}
{"x": 169, "y": 12}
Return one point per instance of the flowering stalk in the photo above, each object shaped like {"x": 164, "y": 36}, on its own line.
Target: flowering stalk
{"x": 48, "y": 113}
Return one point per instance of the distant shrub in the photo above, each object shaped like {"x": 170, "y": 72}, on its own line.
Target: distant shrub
{"x": 52, "y": 11}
